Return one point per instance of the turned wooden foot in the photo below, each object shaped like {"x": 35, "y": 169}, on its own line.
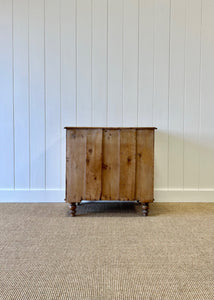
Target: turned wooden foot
{"x": 145, "y": 207}
{"x": 73, "y": 209}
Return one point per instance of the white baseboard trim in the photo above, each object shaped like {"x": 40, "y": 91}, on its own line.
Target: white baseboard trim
{"x": 187, "y": 195}
{"x": 32, "y": 196}
{"x": 57, "y": 195}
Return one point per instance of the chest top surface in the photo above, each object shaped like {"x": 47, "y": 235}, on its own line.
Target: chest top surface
{"x": 108, "y": 128}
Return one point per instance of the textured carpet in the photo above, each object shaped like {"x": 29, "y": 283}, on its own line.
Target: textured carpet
{"x": 107, "y": 252}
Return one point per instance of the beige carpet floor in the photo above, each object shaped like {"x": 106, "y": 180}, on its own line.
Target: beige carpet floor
{"x": 107, "y": 252}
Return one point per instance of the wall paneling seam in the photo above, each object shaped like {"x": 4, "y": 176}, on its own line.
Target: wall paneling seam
{"x": 45, "y": 96}
{"x": 29, "y": 96}
{"x": 184, "y": 84}
{"x": 169, "y": 82}
{"x": 60, "y": 87}
{"x": 123, "y": 62}
{"x": 92, "y": 35}
{"x": 107, "y": 66}
{"x": 138, "y": 60}
{"x": 13, "y": 96}
{"x": 153, "y": 59}
{"x": 200, "y": 104}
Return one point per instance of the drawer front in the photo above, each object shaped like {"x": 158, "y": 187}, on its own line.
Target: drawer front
{"x": 109, "y": 164}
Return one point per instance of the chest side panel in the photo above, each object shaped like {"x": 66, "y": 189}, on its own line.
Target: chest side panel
{"x": 145, "y": 165}
{"x": 75, "y": 164}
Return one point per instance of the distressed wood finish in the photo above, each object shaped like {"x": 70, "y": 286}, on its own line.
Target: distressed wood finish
{"x": 127, "y": 164}
{"x": 109, "y": 164}
{"x": 75, "y": 165}
{"x": 93, "y": 164}
{"x": 145, "y": 165}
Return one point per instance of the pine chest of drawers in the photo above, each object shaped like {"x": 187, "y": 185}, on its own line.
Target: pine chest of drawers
{"x": 109, "y": 164}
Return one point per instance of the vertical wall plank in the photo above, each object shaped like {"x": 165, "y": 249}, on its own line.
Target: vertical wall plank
{"x": 36, "y": 94}
{"x": 130, "y": 63}
{"x": 161, "y": 92}
{"x": 68, "y": 73}
{"x": 146, "y": 62}
{"x": 99, "y": 62}
{"x": 6, "y": 95}
{"x": 115, "y": 63}
{"x": 127, "y": 164}
{"x": 21, "y": 93}
{"x": 206, "y": 179}
{"x": 53, "y": 110}
{"x": 84, "y": 107}
{"x": 177, "y": 87}
{"x": 111, "y": 165}
{"x": 192, "y": 94}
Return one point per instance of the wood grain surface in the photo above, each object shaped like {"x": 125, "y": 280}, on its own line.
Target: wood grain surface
{"x": 109, "y": 164}
{"x": 127, "y": 164}
{"x": 145, "y": 165}
{"x": 93, "y": 164}
{"x": 75, "y": 165}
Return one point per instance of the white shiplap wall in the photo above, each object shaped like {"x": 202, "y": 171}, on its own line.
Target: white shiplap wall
{"x": 106, "y": 63}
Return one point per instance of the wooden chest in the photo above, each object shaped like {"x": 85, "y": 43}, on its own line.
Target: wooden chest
{"x": 109, "y": 164}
